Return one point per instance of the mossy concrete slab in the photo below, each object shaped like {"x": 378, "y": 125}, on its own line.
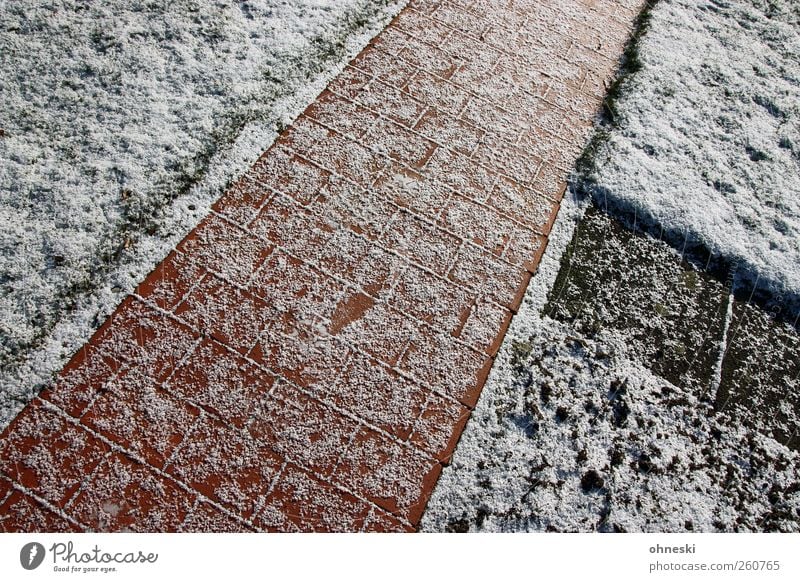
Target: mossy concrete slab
{"x": 760, "y": 380}
{"x": 672, "y": 314}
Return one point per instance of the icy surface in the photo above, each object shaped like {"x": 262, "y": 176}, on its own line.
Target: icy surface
{"x": 120, "y": 124}
{"x": 708, "y": 135}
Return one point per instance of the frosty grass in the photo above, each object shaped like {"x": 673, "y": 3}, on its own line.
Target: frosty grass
{"x": 122, "y": 121}
{"x": 706, "y": 143}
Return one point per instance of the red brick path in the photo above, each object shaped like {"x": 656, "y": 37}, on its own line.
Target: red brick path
{"x": 308, "y": 356}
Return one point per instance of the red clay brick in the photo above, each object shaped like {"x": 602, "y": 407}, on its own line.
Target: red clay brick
{"x": 349, "y": 159}
{"x": 226, "y": 465}
{"x": 81, "y": 379}
{"x": 221, "y": 382}
{"x": 439, "y": 426}
{"x": 399, "y": 143}
{"x": 302, "y": 429}
{"x": 390, "y": 69}
{"x": 424, "y": 6}
{"x": 423, "y": 243}
{"x": 138, "y": 335}
{"x": 461, "y": 174}
{"x": 436, "y": 92}
{"x": 137, "y": 414}
{"x": 349, "y": 83}
{"x": 523, "y": 204}
{"x": 285, "y": 223}
{"x": 297, "y": 178}
{"x": 478, "y": 223}
{"x": 301, "y": 136}
{"x": 377, "y": 394}
{"x": 525, "y": 248}
{"x": 344, "y": 204}
{"x": 171, "y": 281}
{"x": 552, "y": 182}
{"x": 306, "y": 355}
{"x": 292, "y": 286}
{"x": 413, "y": 191}
{"x": 421, "y": 27}
{"x": 552, "y": 149}
{"x": 392, "y": 103}
{"x": 437, "y": 361}
{"x": 508, "y": 160}
{"x": 205, "y": 518}
{"x": 341, "y": 114}
{"x": 454, "y": 133}
{"x": 382, "y": 332}
{"x": 380, "y": 521}
{"x": 363, "y": 263}
{"x": 226, "y": 313}
{"x": 300, "y": 502}
{"x": 226, "y": 250}
{"x": 123, "y": 495}
{"x": 429, "y": 58}
{"x": 241, "y": 202}
{"x": 456, "y": 18}
{"x": 496, "y": 121}
{"x": 436, "y": 301}
{"x": 350, "y": 309}
{"x": 22, "y": 514}
{"x": 45, "y": 453}
{"x": 489, "y": 277}
{"x": 485, "y": 326}
{"x": 396, "y": 477}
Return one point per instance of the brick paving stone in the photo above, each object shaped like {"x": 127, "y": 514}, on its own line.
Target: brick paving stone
{"x": 220, "y": 381}
{"x": 307, "y": 357}
{"x": 137, "y": 414}
{"x": 205, "y": 518}
{"x": 378, "y": 395}
{"x": 399, "y": 143}
{"x": 411, "y": 190}
{"x": 123, "y": 495}
{"x": 380, "y": 521}
{"x": 382, "y": 332}
{"x": 47, "y": 454}
{"x": 423, "y": 243}
{"x": 345, "y": 204}
{"x": 436, "y": 92}
{"x": 302, "y": 429}
{"x": 138, "y": 335}
{"x": 81, "y": 380}
{"x": 292, "y": 286}
{"x": 230, "y": 252}
{"x": 171, "y": 281}
{"x": 300, "y": 502}
{"x": 226, "y": 313}
{"x": 394, "y": 476}
{"x": 226, "y": 466}
{"x": 22, "y": 513}
{"x": 384, "y": 66}
{"x": 455, "y": 133}
{"x": 444, "y": 365}
{"x": 392, "y": 103}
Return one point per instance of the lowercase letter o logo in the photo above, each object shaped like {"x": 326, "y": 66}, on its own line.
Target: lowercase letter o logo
{"x": 31, "y": 555}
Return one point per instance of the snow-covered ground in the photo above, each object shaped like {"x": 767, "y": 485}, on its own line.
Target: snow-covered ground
{"x": 574, "y": 433}
{"x": 707, "y": 137}
{"x": 120, "y": 123}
